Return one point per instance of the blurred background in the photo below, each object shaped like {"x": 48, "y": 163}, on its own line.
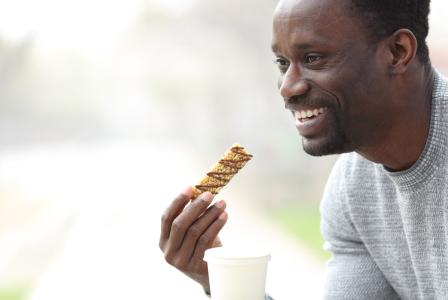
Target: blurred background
{"x": 108, "y": 109}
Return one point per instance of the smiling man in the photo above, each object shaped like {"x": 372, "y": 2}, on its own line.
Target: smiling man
{"x": 357, "y": 78}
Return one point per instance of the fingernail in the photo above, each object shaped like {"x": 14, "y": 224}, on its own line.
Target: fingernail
{"x": 223, "y": 216}
{"x": 188, "y": 191}
{"x": 221, "y": 204}
{"x": 207, "y": 196}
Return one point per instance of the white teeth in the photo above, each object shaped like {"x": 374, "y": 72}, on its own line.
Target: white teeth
{"x": 310, "y": 113}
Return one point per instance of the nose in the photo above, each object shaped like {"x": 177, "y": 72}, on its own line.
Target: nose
{"x": 292, "y": 83}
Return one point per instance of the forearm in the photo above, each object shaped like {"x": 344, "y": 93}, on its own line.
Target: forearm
{"x": 356, "y": 277}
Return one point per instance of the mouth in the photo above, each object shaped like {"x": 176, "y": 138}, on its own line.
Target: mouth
{"x": 303, "y": 116}
{"x": 311, "y": 122}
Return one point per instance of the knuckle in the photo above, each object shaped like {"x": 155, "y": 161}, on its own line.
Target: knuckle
{"x": 177, "y": 225}
{"x": 194, "y": 232}
{"x": 179, "y": 264}
{"x": 169, "y": 258}
{"x": 204, "y": 240}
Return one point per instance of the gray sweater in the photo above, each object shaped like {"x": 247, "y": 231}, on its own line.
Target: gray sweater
{"x": 388, "y": 232}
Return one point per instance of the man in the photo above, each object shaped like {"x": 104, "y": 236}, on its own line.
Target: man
{"x": 357, "y": 78}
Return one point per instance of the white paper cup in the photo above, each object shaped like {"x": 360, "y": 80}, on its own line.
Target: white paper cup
{"x": 237, "y": 274}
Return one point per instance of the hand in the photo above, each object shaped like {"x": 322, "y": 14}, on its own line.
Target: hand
{"x": 189, "y": 230}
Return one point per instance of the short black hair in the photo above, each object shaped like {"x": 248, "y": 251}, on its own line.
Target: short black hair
{"x": 384, "y": 17}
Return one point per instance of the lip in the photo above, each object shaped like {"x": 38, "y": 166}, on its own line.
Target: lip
{"x": 311, "y": 127}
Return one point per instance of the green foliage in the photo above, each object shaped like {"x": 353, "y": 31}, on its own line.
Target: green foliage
{"x": 304, "y": 223}
{"x": 17, "y": 293}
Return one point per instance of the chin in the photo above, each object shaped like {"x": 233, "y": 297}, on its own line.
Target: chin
{"x": 317, "y": 147}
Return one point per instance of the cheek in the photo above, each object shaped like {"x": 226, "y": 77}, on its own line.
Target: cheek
{"x": 356, "y": 89}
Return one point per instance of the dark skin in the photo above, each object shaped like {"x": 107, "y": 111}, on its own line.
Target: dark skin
{"x": 188, "y": 229}
{"x": 376, "y": 96}
{"x": 371, "y": 98}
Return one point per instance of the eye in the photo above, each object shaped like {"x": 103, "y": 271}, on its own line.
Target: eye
{"x": 281, "y": 63}
{"x": 313, "y": 58}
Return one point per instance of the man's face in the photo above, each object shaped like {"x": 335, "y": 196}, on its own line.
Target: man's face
{"x": 332, "y": 78}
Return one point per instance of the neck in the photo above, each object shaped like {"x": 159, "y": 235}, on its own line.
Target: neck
{"x": 406, "y": 139}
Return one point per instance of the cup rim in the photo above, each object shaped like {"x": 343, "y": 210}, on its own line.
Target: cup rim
{"x": 236, "y": 255}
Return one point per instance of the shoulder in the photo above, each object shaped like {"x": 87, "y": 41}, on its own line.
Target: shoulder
{"x": 440, "y": 92}
{"x": 441, "y": 86}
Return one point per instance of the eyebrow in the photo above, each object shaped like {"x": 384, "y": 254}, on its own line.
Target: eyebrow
{"x": 303, "y": 46}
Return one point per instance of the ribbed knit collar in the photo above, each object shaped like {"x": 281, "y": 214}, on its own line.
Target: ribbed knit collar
{"x": 432, "y": 156}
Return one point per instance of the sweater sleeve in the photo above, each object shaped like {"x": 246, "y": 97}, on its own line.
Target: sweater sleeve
{"x": 351, "y": 272}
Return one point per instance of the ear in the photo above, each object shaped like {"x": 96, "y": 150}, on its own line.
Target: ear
{"x": 403, "y": 50}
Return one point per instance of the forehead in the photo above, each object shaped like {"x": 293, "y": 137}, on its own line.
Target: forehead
{"x": 308, "y": 21}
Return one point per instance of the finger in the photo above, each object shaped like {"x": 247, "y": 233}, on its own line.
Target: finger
{"x": 173, "y": 211}
{"x": 208, "y": 237}
{"x": 197, "y": 229}
{"x": 187, "y": 217}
